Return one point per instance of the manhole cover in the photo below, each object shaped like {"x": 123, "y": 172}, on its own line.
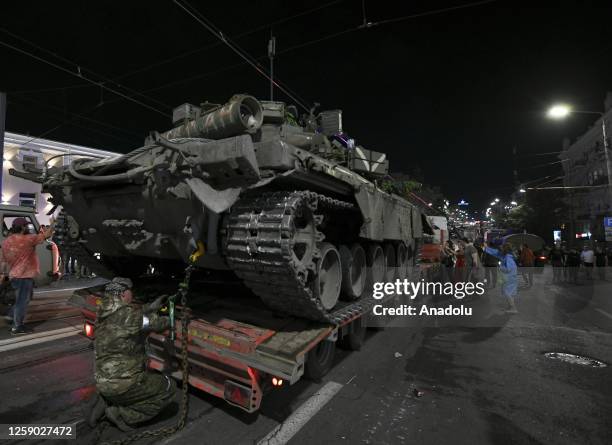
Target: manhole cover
{"x": 576, "y": 359}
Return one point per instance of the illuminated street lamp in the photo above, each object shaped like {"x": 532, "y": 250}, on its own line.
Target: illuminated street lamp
{"x": 514, "y": 203}
{"x": 496, "y": 199}
{"x": 561, "y": 111}
{"x": 522, "y": 190}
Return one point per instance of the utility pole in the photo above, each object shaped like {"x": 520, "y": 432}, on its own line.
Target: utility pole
{"x": 2, "y": 124}
{"x": 271, "y": 53}
{"x": 607, "y": 156}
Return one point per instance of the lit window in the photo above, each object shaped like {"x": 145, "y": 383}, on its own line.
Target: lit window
{"x": 27, "y": 200}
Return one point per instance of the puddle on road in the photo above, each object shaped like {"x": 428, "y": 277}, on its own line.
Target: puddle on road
{"x": 575, "y": 359}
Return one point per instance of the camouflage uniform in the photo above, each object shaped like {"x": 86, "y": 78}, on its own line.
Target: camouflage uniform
{"x": 121, "y": 378}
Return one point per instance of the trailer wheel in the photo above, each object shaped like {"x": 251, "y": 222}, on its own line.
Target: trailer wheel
{"x": 354, "y": 340}
{"x": 375, "y": 261}
{"x": 401, "y": 257}
{"x": 320, "y": 360}
{"x": 390, "y": 262}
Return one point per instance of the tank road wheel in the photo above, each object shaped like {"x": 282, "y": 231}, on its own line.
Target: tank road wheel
{"x": 329, "y": 276}
{"x": 402, "y": 261}
{"x": 353, "y": 271}
{"x": 304, "y": 236}
{"x": 390, "y": 263}
{"x": 376, "y": 265}
{"x": 320, "y": 360}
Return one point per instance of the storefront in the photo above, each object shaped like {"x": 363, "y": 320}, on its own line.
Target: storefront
{"x": 22, "y": 151}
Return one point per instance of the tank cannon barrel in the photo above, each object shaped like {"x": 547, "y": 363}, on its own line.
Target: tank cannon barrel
{"x": 242, "y": 113}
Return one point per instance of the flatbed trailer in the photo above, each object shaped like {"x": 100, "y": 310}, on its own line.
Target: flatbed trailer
{"x": 238, "y": 349}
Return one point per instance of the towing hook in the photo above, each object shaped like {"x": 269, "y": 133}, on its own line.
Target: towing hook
{"x": 195, "y": 256}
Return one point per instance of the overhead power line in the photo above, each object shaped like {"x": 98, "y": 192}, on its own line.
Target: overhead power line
{"x": 79, "y": 67}
{"x": 569, "y": 187}
{"x": 236, "y": 49}
{"x": 431, "y": 12}
{"x": 80, "y": 75}
{"x": 82, "y": 116}
{"x": 182, "y": 55}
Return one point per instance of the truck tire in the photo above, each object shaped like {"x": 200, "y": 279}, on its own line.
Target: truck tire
{"x": 320, "y": 360}
{"x": 353, "y": 341}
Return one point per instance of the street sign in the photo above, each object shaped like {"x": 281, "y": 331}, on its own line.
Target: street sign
{"x": 608, "y": 227}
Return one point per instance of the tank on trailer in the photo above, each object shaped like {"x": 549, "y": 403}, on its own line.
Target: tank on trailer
{"x": 288, "y": 203}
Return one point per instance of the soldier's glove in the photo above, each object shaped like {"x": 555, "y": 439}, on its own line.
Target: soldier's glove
{"x": 155, "y": 305}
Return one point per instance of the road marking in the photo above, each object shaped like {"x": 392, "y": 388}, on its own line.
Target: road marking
{"x": 604, "y": 313}
{"x": 57, "y": 290}
{"x": 37, "y": 338}
{"x": 292, "y": 424}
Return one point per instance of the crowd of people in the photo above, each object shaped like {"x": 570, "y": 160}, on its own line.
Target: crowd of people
{"x": 569, "y": 263}
{"x": 468, "y": 261}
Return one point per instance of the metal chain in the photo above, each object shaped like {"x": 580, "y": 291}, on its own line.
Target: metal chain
{"x": 167, "y": 431}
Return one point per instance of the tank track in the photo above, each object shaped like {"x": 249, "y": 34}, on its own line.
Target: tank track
{"x": 259, "y": 246}
{"x": 69, "y": 247}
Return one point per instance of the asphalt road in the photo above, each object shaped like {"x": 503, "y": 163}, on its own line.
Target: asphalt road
{"x": 475, "y": 385}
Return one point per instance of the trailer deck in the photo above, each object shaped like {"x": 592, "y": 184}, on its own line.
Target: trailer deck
{"x": 237, "y": 348}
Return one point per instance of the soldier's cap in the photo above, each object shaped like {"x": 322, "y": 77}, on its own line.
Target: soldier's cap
{"x": 118, "y": 285}
{"x": 18, "y": 223}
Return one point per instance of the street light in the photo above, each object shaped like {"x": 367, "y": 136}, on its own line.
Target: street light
{"x": 561, "y": 111}
{"x": 522, "y": 191}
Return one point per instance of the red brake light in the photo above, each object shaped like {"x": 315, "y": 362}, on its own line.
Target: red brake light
{"x": 542, "y": 257}
{"x": 89, "y": 330}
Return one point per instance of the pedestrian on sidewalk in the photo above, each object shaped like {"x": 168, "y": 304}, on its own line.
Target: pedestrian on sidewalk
{"x": 459, "y": 270}
{"x": 19, "y": 254}
{"x": 556, "y": 260}
{"x": 573, "y": 264}
{"x": 470, "y": 254}
{"x": 587, "y": 257}
{"x": 509, "y": 272}
{"x": 527, "y": 261}
{"x": 447, "y": 259}
{"x": 490, "y": 263}
{"x": 600, "y": 263}
{"x": 565, "y": 253}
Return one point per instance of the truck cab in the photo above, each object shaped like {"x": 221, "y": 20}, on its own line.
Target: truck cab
{"x": 48, "y": 254}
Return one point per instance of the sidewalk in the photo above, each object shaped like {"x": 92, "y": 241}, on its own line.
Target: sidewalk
{"x": 51, "y": 303}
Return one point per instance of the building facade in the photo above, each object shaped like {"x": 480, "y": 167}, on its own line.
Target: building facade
{"x": 584, "y": 165}
{"x": 21, "y": 152}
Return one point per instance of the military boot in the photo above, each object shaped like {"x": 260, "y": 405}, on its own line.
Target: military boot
{"x": 112, "y": 414}
{"x": 97, "y": 411}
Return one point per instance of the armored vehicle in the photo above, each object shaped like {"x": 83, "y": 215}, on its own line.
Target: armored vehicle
{"x": 289, "y": 204}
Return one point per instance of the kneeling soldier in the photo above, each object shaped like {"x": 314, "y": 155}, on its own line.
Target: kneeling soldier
{"x": 127, "y": 393}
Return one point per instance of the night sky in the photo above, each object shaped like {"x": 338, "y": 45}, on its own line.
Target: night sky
{"x": 449, "y": 93}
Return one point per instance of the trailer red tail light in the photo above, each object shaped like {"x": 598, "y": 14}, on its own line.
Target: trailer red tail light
{"x": 277, "y": 382}
{"x": 88, "y": 329}
{"x": 237, "y": 394}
